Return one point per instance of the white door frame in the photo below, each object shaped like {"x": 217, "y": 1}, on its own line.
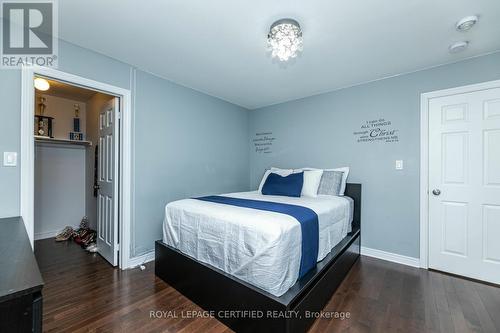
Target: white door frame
{"x": 28, "y": 146}
{"x": 424, "y": 157}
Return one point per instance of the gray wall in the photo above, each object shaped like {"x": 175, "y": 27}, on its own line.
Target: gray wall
{"x": 318, "y": 132}
{"x": 10, "y": 97}
{"x": 59, "y": 188}
{"x": 186, "y": 143}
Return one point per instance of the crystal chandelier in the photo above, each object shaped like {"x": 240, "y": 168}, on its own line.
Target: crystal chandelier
{"x": 285, "y": 39}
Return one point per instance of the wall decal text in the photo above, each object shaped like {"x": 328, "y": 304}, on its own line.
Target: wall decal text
{"x": 263, "y": 142}
{"x": 377, "y": 130}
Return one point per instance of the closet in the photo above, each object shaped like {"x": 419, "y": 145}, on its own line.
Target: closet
{"x": 66, "y": 134}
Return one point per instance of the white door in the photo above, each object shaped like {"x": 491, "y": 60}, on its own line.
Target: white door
{"x": 464, "y": 184}
{"x": 107, "y": 171}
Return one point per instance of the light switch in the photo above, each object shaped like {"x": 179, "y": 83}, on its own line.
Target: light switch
{"x": 399, "y": 164}
{"x": 9, "y": 159}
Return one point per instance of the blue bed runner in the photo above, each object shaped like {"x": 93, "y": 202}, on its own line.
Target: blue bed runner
{"x": 307, "y": 218}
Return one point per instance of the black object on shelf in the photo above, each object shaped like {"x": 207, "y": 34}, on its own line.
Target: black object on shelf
{"x": 43, "y": 126}
{"x": 76, "y": 124}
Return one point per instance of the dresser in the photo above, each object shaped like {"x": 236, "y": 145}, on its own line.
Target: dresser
{"x": 20, "y": 280}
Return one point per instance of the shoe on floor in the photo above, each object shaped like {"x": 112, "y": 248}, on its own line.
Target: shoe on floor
{"x": 65, "y": 234}
{"x": 93, "y": 249}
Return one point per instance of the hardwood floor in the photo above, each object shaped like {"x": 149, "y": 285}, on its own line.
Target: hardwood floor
{"x": 84, "y": 293}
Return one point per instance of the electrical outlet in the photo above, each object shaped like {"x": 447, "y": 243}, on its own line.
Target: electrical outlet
{"x": 399, "y": 164}
{"x": 9, "y": 159}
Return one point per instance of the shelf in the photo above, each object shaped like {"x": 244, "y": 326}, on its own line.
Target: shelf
{"x": 43, "y": 139}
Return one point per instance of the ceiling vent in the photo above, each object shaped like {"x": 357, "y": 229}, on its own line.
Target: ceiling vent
{"x": 466, "y": 23}
{"x": 458, "y": 47}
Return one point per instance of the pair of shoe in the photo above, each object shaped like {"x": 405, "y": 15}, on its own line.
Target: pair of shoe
{"x": 84, "y": 237}
{"x": 64, "y": 235}
{"x": 89, "y": 238}
{"x": 92, "y": 248}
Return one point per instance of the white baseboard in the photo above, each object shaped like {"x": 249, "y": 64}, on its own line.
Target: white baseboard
{"x": 50, "y": 233}
{"x": 142, "y": 259}
{"x": 388, "y": 256}
{"x": 366, "y": 251}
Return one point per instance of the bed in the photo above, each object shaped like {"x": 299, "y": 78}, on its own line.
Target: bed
{"x": 227, "y": 258}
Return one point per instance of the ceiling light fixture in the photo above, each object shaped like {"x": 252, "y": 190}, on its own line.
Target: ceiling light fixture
{"x": 458, "y": 47}
{"x": 285, "y": 39}
{"x": 466, "y": 23}
{"x": 41, "y": 84}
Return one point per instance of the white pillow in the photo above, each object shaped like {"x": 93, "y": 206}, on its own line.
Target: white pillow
{"x": 283, "y": 172}
{"x": 345, "y": 171}
{"x": 264, "y": 180}
{"x": 312, "y": 178}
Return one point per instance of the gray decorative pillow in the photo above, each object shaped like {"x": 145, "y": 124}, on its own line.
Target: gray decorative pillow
{"x": 330, "y": 183}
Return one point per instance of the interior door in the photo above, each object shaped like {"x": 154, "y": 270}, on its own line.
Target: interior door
{"x": 464, "y": 184}
{"x": 107, "y": 180}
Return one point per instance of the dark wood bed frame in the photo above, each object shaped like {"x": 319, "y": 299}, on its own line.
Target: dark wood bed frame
{"x": 254, "y": 309}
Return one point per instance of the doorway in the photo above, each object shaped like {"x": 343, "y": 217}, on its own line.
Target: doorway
{"x": 460, "y": 185}
{"x": 112, "y": 132}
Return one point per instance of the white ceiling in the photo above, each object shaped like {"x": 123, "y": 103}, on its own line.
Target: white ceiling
{"x": 64, "y": 90}
{"x": 219, "y": 46}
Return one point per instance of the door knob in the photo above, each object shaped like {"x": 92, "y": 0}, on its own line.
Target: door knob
{"x": 97, "y": 187}
{"x": 436, "y": 191}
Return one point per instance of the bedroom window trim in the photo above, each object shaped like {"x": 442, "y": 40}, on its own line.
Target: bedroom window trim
{"x": 424, "y": 157}
{"x": 27, "y": 151}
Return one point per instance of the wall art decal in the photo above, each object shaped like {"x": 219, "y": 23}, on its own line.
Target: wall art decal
{"x": 263, "y": 142}
{"x": 377, "y": 130}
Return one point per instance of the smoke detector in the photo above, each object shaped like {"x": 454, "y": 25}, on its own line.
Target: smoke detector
{"x": 458, "y": 47}
{"x": 466, "y": 23}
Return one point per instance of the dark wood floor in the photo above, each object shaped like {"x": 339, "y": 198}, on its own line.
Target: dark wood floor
{"x": 83, "y": 293}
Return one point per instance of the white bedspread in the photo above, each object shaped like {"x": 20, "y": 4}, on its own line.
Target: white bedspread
{"x": 259, "y": 247}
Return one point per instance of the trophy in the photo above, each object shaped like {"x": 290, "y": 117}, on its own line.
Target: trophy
{"x": 43, "y": 124}
{"x": 76, "y": 134}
